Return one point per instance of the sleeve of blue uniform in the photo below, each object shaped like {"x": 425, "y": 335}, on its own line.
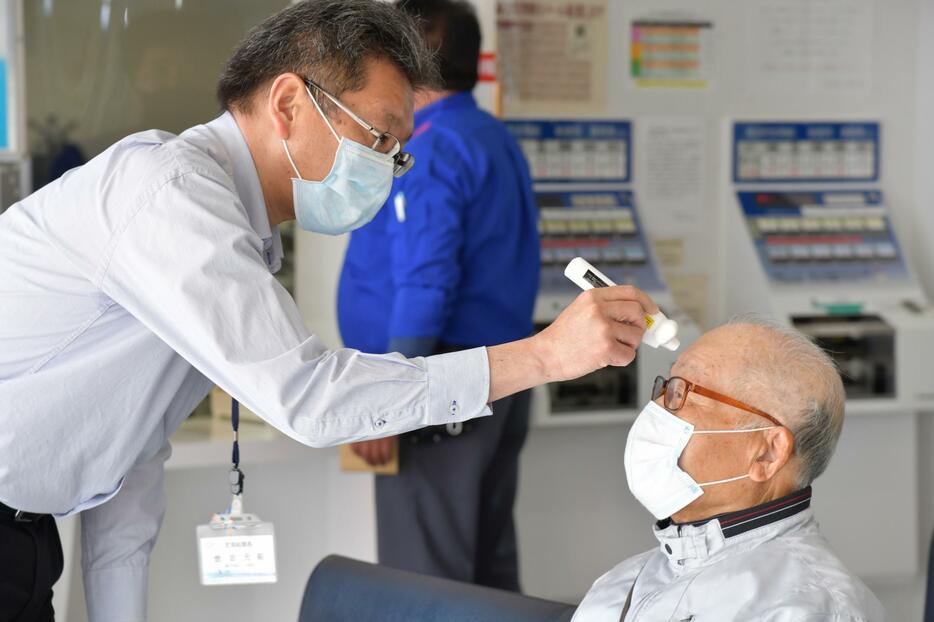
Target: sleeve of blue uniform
{"x": 426, "y": 237}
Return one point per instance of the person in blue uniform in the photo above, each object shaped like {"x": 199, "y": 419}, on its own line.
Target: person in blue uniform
{"x": 450, "y": 262}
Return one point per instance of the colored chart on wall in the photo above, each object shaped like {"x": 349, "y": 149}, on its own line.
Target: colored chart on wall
{"x": 667, "y": 53}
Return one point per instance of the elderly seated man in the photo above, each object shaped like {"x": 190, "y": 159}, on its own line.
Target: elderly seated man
{"x": 724, "y": 457}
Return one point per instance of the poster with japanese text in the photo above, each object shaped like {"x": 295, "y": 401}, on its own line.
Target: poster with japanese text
{"x": 552, "y": 56}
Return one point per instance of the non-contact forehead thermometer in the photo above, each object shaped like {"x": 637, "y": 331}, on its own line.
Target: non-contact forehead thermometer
{"x": 659, "y": 330}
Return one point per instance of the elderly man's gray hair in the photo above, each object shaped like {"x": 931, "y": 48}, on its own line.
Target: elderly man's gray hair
{"x": 328, "y": 41}
{"x": 805, "y": 379}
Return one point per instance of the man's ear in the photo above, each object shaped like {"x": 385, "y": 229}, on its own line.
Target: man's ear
{"x": 282, "y": 102}
{"x": 773, "y": 454}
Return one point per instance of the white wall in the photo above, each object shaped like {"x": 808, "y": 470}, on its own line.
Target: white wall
{"x": 912, "y": 593}
{"x": 923, "y": 133}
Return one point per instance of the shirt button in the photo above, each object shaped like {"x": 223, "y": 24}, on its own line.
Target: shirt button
{"x": 668, "y": 548}
{"x": 380, "y": 423}
{"x": 454, "y": 408}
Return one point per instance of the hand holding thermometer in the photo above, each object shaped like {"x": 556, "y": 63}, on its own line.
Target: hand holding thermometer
{"x": 659, "y": 330}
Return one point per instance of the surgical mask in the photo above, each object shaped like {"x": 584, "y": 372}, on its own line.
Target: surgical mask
{"x": 352, "y": 193}
{"x": 655, "y": 444}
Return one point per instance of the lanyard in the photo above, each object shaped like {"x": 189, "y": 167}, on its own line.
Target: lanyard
{"x": 235, "y": 476}
{"x": 236, "y": 548}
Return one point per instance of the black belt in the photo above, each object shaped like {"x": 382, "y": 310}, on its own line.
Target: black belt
{"x": 19, "y": 516}
{"x": 438, "y": 433}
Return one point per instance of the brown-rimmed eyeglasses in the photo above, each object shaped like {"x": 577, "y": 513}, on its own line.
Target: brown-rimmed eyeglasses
{"x": 675, "y": 391}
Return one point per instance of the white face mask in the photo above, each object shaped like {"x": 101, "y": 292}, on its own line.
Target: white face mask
{"x": 655, "y": 444}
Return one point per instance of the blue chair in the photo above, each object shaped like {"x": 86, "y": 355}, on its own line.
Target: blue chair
{"x": 342, "y": 589}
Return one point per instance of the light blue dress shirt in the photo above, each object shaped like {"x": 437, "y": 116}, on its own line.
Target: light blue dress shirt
{"x": 127, "y": 288}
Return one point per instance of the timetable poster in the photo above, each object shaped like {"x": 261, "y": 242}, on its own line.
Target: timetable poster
{"x": 568, "y": 151}
{"x": 552, "y": 55}
{"x": 806, "y": 151}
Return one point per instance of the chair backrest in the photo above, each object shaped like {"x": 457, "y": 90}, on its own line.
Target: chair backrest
{"x": 342, "y": 589}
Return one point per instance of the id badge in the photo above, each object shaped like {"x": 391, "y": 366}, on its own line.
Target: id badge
{"x": 235, "y": 550}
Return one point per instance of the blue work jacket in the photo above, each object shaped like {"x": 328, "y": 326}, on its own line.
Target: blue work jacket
{"x": 453, "y": 256}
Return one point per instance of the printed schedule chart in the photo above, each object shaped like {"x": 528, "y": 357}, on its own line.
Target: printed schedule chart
{"x": 806, "y": 152}
{"x": 569, "y": 151}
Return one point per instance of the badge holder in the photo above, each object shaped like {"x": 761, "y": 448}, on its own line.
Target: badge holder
{"x": 236, "y": 548}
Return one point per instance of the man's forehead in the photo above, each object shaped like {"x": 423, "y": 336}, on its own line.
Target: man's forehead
{"x": 722, "y": 356}
{"x": 691, "y": 367}
{"x": 710, "y": 360}
{"x": 387, "y": 112}
{"x": 389, "y": 96}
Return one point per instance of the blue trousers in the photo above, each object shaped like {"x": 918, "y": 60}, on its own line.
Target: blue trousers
{"x": 449, "y": 511}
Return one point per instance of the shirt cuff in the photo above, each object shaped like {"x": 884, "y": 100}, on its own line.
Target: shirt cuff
{"x": 116, "y": 594}
{"x": 458, "y": 386}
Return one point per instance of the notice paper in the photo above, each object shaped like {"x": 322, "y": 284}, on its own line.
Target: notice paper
{"x": 669, "y": 252}
{"x": 670, "y": 171}
{"x": 692, "y": 293}
{"x": 802, "y": 46}
{"x": 552, "y": 55}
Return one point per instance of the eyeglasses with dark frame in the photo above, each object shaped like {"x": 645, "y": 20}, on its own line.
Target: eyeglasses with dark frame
{"x": 676, "y": 389}
{"x": 402, "y": 160}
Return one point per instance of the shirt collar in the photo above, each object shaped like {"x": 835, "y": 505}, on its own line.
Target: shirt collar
{"x": 455, "y": 101}
{"x": 241, "y": 168}
{"x": 692, "y": 544}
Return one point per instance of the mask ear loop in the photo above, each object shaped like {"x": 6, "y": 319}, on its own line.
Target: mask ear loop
{"x": 724, "y": 481}
{"x": 768, "y": 427}
{"x": 739, "y": 477}
{"x": 291, "y": 161}
{"x": 321, "y": 112}
{"x": 288, "y": 154}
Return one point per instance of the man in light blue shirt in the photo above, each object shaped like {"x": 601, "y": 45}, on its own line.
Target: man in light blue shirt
{"x": 133, "y": 283}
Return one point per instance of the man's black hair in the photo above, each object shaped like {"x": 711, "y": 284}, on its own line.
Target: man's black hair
{"x": 452, "y": 31}
{"x": 328, "y": 41}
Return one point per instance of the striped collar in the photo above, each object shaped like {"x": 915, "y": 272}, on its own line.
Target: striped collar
{"x": 741, "y": 521}
{"x": 690, "y": 544}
